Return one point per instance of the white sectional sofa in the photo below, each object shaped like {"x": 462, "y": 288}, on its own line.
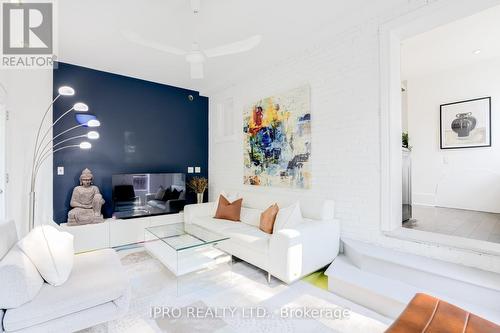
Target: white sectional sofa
{"x": 96, "y": 291}
{"x": 288, "y": 254}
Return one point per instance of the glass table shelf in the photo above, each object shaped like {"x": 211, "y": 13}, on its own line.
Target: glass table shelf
{"x": 187, "y": 248}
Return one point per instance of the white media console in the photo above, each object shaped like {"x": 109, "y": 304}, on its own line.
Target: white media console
{"x": 116, "y": 232}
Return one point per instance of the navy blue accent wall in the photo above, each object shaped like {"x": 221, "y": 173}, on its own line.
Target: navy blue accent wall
{"x": 146, "y": 127}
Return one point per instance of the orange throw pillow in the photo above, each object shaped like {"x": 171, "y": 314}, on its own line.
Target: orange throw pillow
{"x": 267, "y": 218}
{"x": 228, "y": 210}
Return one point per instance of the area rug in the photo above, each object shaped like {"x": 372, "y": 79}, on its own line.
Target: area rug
{"x": 243, "y": 303}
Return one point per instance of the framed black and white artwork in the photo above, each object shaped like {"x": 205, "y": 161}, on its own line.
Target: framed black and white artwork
{"x": 466, "y": 124}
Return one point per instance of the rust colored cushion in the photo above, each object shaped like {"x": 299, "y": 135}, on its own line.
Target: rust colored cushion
{"x": 427, "y": 314}
{"x": 267, "y": 218}
{"x": 228, "y": 210}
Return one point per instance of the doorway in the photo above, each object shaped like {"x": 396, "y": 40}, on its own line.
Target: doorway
{"x": 392, "y": 33}
{"x": 450, "y": 76}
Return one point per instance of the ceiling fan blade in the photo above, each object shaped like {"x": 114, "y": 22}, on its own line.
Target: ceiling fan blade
{"x": 137, "y": 39}
{"x": 196, "y": 70}
{"x": 233, "y": 48}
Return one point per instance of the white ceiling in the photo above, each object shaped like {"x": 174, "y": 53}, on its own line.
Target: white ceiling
{"x": 452, "y": 45}
{"x": 89, "y": 34}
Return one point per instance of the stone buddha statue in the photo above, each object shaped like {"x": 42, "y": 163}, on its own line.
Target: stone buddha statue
{"x": 86, "y": 202}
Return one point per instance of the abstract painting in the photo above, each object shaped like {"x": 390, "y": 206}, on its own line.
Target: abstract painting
{"x": 277, "y": 140}
{"x": 466, "y": 124}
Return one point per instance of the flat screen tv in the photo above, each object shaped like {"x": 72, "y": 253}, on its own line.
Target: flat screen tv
{"x": 146, "y": 194}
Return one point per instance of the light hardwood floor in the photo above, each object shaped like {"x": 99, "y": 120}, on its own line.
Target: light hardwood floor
{"x": 456, "y": 222}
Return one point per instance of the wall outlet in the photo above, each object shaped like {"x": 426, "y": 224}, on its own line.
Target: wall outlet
{"x": 60, "y": 171}
{"x": 197, "y": 170}
{"x": 190, "y": 169}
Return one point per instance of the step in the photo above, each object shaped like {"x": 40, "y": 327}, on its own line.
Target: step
{"x": 476, "y": 286}
{"x": 368, "y": 256}
{"x": 385, "y": 296}
{"x": 385, "y": 280}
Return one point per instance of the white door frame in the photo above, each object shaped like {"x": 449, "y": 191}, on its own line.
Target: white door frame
{"x": 3, "y": 151}
{"x": 391, "y": 34}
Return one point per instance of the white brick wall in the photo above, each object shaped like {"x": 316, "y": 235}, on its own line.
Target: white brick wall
{"x": 343, "y": 74}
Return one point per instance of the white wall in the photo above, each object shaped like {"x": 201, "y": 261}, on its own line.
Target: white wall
{"x": 343, "y": 73}
{"x": 29, "y": 94}
{"x": 404, "y": 107}
{"x": 458, "y": 178}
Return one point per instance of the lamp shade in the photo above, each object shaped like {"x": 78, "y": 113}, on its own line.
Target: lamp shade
{"x": 66, "y": 91}
{"x": 84, "y": 118}
{"x": 81, "y": 107}
{"x": 93, "y": 123}
{"x": 93, "y": 135}
{"x": 85, "y": 145}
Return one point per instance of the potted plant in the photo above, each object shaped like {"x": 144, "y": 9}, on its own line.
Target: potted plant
{"x": 198, "y": 185}
{"x": 405, "y": 141}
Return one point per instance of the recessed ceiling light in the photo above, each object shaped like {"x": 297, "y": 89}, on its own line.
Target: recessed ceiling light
{"x": 477, "y": 51}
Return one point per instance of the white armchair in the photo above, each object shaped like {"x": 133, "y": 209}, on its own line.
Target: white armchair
{"x": 96, "y": 291}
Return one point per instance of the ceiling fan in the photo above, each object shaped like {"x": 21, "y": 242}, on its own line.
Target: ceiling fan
{"x": 196, "y": 56}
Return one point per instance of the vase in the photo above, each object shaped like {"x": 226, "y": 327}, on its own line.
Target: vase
{"x": 199, "y": 197}
{"x": 463, "y": 124}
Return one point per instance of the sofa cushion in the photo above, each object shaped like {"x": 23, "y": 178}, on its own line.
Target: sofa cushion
{"x": 267, "y": 219}
{"x": 8, "y": 236}
{"x": 250, "y": 216}
{"x": 313, "y": 206}
{"x": 248, "y": 236}
{"x": 160, "y": 193}
{"x": 51, "y": 251}
{"x": 288, "y": 217}
{"x": 20, "y": 282}
{"x": 230, "y": 196}
{"x": 247, "y": 243}
{"x": 210, "y": 223}
{"x": 97, "y": 278}
{"x": 228, "y": 210}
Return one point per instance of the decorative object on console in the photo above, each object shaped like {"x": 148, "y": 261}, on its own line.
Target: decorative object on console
{"x": 86, "y": 202}
{"x": 198, "y": 185}
{"x": 45, "y": 146}
{"x": 268, "y": 217}
{"x": 466, "y": 124}
{"x": 277, "y": 140}
{"x": 228, "y": 210}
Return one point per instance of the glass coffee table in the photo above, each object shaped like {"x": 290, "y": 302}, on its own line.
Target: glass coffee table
{"x": 188, "y": 248}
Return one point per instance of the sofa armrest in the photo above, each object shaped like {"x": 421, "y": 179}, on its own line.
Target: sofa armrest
{"x": 197, "y": 210}
{"x": 294, "y": 253}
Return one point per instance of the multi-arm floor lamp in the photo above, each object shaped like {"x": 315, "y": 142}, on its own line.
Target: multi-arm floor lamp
{"x": 46, "y": 146}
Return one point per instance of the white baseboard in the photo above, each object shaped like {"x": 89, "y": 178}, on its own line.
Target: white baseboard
{"x": 424, "y": 199}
